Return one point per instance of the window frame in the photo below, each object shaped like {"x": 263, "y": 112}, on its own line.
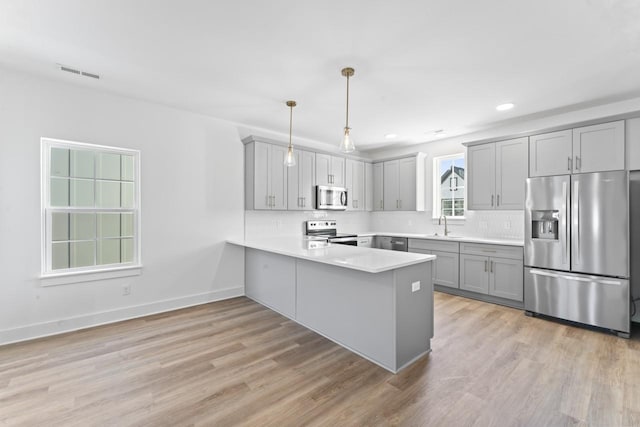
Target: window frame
{"x": 50, "y": 276}
{"x": 437, "y": 206}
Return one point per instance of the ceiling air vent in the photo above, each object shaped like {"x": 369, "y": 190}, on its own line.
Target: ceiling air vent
{"x": 78, "y": 72}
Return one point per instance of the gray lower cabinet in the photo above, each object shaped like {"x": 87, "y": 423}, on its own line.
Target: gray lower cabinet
{"x": 386, "y": 317}
{"x": 383, "y": 242}
{"x": 366, "y": 242}
{"x": 507, "y": 278}
{"x": 474, "y": 273}
{"x": 445, "y": 271}
{"x": 493, "y": 270}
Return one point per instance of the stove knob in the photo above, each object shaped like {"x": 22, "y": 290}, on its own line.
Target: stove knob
{"x": 326, "y": 223}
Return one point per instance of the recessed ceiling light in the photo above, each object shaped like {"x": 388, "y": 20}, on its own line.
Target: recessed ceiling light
{"x": 390, "y": 135}
{"x": 505, "y": 107}
{"x": 440, "y": 133}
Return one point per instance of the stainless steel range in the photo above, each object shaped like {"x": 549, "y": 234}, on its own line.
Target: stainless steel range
{"x": 328, "y": 229}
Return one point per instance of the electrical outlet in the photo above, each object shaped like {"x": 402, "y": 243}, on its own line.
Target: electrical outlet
{"x": 415, "y": 286}
{"x": 126, "y": 289}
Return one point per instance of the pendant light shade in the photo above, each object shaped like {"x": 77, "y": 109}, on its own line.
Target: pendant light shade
{"x": 290, "y": 159}
{"x": 347, "y": 145}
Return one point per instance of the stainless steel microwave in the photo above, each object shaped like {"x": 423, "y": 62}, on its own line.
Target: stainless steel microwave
{"x": 331, "y": 198}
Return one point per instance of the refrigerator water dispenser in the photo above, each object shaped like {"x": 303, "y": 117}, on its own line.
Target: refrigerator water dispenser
{"x": 544, "y": 225}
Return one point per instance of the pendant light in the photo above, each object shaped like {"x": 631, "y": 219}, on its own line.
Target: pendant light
{"x": 290, "y": 159}
{"x": 347, "y": 145}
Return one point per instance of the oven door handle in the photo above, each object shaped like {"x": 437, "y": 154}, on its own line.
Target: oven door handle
{"x": 343, "y": 239}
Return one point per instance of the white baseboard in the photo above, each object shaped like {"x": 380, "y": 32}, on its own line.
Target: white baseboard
{"x": 39, "y": 330}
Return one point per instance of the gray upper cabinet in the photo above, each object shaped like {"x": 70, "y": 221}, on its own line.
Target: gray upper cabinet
{"x": 599, "y": 147}
{"x": 551, "y": 153}
{"x": 511, "y": 173}
{"x": 301, "y": 181}
{"x": 378, "y": 184}
{"x": 586, "y": 149}
{"x": 391, "y": 185}
{"x": 402, "y": 184}
{"x": 330, "y": 170}
{"x": 368, "y": 187}
{"x": 355, "y": 184}
{"x": 481, "y": 184}
{"x": 265, "y": 176}
{"x": 497, "y": 173}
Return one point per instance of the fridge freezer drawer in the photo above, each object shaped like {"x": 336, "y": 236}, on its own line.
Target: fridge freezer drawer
{"x": 593, "y": 300}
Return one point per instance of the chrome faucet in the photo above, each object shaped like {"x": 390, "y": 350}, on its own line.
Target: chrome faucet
{"x": 446, "y": 229}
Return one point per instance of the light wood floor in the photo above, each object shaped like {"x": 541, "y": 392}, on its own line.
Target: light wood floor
{"x": 237, "y": 363}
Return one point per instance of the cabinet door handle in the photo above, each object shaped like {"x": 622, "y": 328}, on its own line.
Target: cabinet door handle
{"x": 485, "y": 266}
{"x": 498, "y": 200}
{"x": 491, "y": 266}
{"x": 569, "y": 163}
{"x": 577, "y": 163}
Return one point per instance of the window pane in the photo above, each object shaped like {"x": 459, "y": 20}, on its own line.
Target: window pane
{"x": 126, "y": 250}
{"x": 127, "y": 225}
{"x": 109, "y": 251}
{"x": 108, "y": 194}
{"x": 108, "y": 166}
{"x": 81, "y": 164}
{"x": 82, "y": 254}
{"x": 81, "y": 193}
{"x": 59, "y": 162}
{"x": 59, "y": 192}
{"x": 59, "y": 226}
{"x": 127, "y": 195}
{"x": 108, "y": 225}
{"x": 59, "y": 256}
{"x": 127, "y": 168}
{"x": 82, "y": 226}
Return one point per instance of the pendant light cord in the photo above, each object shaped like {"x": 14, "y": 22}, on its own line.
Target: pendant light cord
{"x": 290, "y": 124}
{"x": 347, "y": 118}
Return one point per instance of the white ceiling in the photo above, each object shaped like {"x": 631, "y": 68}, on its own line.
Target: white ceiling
{"x": 419, "y": 65}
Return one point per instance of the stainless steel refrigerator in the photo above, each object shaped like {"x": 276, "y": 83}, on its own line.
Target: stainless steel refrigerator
{"x": 577, "y": 249}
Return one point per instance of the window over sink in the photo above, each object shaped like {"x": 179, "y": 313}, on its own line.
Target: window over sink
{"x": 449, "y": 186}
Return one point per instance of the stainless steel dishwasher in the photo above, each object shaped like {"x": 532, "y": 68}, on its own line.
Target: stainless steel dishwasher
{"x": 399, "y": 244}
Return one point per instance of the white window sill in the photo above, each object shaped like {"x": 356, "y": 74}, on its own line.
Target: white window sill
{"x": 55, "y": 279}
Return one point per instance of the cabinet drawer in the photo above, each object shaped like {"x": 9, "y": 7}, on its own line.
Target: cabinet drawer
{"x": 513, "y": 252}
{"x": 434, "y": 245}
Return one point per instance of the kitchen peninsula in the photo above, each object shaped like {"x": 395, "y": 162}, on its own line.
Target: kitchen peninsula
{"x": 378, "y": 304}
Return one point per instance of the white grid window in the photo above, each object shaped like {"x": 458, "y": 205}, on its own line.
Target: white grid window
{"x": 90, "y": 207}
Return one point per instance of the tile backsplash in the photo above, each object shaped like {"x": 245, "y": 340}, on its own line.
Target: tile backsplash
{"x": 490, "y": 224}
{"x": 291, "y": 223}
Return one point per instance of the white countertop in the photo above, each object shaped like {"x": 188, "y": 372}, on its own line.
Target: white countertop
{"x": 353, "y": 257}
{"x": 454, "y": 238}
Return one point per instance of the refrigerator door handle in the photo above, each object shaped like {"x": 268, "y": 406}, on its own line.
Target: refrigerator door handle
{"x": 575, "y": 278}
{"x": 565, "y": 227}
{"x": 576, "y": 219}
